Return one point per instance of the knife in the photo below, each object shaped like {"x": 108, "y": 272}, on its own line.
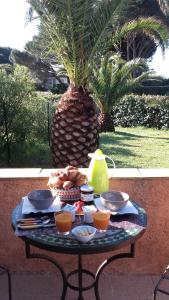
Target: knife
{"x": 36, "y": 219}
{"x": 34, "y": 226}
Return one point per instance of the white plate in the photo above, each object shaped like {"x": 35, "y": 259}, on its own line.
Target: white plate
{"x": 129, "y": 208}
{"x": 28, "y": 208}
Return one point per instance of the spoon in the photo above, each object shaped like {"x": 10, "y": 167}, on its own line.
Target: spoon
{"x": 42, "y": 223}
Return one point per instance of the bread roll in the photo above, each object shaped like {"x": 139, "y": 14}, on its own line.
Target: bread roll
{"x": 67, "y": 185}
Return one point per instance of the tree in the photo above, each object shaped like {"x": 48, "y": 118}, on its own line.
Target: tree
{"x": 113, "y": 80}
{"x": 140, "y": 44}
{"x": 16, "y": 89}
{"x": 136, "y": 45}
{"x": 38, "y": 48}
{"x": 76, "y": 31}
{"x": 5, "y": 55}
{"x": 42, "y": 64}
{"x": 40, "y": 69}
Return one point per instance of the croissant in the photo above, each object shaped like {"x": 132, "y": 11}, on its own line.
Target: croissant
{"x": 63, "y": 176}
{"x": 72, "y": 174}
{"x": 80, "y": 180}
{"x": 70, "y": 168}
{"x": 55, "y": 182}
{"x": 67, "y": 178}
{"x": 67, "y": 185}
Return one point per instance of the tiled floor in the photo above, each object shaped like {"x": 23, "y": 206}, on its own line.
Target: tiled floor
{"x": 47, "y": 286}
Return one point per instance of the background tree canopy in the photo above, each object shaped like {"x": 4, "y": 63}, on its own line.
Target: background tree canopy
{"x": 5, "y": 53}
{"x": 24, "y": 113}
{"x": 41, "y": 60}
{"x": 140, "y": 44}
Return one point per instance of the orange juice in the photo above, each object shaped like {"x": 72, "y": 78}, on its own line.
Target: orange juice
{"x": 63, "y": 222}
{"x": 101, "y": 220}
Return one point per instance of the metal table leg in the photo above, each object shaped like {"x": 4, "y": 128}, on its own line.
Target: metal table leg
{"x": 157, "y": 289}
{"x": 79, "y": 271}
{"x": 4, "y": 270}
{"x": 108, "y": 261}
{"x": 46, "y": 257}
{"x": 80, "y": 277}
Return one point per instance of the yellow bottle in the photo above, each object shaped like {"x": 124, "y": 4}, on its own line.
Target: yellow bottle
{"x": 98, "y": 172}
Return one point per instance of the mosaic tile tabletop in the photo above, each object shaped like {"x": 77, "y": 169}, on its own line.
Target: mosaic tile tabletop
{"x": 121, "y": 229}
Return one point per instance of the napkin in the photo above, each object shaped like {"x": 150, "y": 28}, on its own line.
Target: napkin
{"x": 28, "y": 208}
{"x": 129, "y": 208}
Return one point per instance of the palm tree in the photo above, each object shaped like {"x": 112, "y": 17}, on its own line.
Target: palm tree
{"x": 113, "y": 80}
{"x": 76, "y": 31}
{"x": 140, "y": 44}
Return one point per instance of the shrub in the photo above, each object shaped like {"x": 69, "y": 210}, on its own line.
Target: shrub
{"x": 59, "y": 88}
{"x": 16, "y": 92}
{"x": 149, "y": 111}
{"x": 155, "y": 86}
{"x": 152, "y": 90}
{"x": 42, "y": 110}
{"x": 25, "y": 115}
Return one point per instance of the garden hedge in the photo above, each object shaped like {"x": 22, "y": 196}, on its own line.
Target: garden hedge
{"x": 145, "y": 110}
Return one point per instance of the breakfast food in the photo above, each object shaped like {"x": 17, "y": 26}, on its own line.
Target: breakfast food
{"x": 84, "y": 232}
{"x": 78, "y": 205}
{"x": 67, "y": 178}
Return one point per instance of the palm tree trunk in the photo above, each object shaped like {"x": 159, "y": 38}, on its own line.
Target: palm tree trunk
{"x": 75, "y": 129}
{"x": 106, "y": 123}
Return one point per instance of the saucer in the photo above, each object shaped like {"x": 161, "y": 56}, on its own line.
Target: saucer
{"x": 129, "y": 208}
{"x": 28, "y": 208}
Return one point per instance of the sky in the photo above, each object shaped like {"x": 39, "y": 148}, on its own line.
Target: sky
{"x": 15, "y": 33}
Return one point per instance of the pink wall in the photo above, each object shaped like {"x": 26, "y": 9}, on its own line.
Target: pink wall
{"x": 150, "y": 188}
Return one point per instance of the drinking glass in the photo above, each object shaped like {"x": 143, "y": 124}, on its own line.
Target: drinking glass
{"x": 101, "y": 220}
{"x": 63, "y": 222}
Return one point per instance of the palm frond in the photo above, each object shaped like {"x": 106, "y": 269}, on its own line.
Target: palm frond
{"x": 128, "y": 86}
{"x": 75, "y": 30}
{"x": 105, "y": 14}
{"x": 149, "y": 26}
{"x": 114, "y": 79}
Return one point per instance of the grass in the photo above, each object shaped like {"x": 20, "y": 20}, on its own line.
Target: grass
{"x": 128, "y": 147}
{"x": 137, "y": 147}
{"x": 28, "y": 155}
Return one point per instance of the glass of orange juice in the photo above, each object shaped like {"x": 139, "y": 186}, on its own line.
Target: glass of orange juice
{"x": 101, "y": 220}
{"x": 63, "y": 222}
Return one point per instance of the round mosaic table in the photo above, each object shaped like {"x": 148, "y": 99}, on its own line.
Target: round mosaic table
{"x": 123, "y": 230}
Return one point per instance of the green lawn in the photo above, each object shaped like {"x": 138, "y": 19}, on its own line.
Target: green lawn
{"x": 137, "y": 147}
{"x": 28, "y": 155}
{"x": 128, "y": 147}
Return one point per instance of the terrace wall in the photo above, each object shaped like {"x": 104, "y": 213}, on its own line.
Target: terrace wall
{"x": 148, "y": 187}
